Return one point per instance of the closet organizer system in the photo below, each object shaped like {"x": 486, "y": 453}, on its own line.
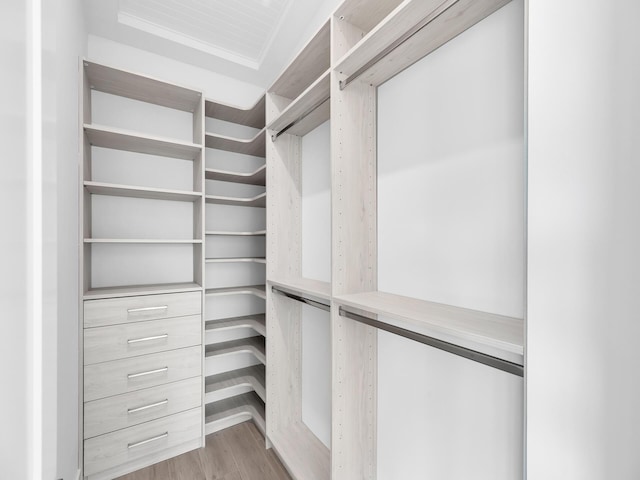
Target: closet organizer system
{"x": 174, "y": 300}
{"x": 158, "y": 373}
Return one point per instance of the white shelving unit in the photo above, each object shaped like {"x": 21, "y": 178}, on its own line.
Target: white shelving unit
{"x": 235, "y": 345}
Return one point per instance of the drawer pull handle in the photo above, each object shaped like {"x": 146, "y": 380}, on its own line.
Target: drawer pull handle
{"x": 147, "y": 309}
{"x": 147, "y": 339}
{"x": 149, "y": 372}
{"x": 148, "y": 440}
{"x": 151, "y": 405}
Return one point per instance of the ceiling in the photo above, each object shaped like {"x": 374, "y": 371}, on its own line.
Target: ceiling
{"x": 250, "y": 40}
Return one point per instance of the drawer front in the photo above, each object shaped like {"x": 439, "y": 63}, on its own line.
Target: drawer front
{"x": 114, "y": 413}
{"x": 116, "y": 448}
{"x": 102, "y": 344}
{"x": 131, "y": 374}
{"x": 112, "y": 311}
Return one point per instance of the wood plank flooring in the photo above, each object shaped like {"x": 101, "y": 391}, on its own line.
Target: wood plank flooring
{"x": 237, "y": 453}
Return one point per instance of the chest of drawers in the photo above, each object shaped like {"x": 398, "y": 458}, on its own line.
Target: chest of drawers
{"x": 142, "y": 381}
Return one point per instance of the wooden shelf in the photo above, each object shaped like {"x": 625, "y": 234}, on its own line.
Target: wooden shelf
{"x": 235, "y": 234}
{"x": 495, "y": 335}
{"x": 230, "y": 412}
{"x": 236, "y": 260}
{"x": 140, "y": 240}
{"x": 256, "y": 322}
{"x": 257, "y": 290}
{"x": 236, "y": 382}
{"x": 302, "y": 111}
{"x": 119, "y": 139}
{"x": 259, "y": 201}
{"x": 254, "y": 146}
{"x": 141, "y": 87}
{"x": 98, "y": 188}
{"x": 365, "y": 14}
{"x": 309, "y": 64}
{"x": 135, "y": 290}
{"x": 257, "y": 177}
{"x": 305, "y": 287}
{"x": 303, "y": 454}
{"x": 448, "y": 20}
{"x": 251, "y": 117}
{"x": 252, "y": 345}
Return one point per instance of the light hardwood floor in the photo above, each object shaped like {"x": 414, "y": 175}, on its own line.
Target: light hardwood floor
{"x": 237, "y": 453}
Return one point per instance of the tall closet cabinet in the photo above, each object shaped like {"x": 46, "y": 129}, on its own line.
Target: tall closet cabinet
{"x": 291, "y": 264}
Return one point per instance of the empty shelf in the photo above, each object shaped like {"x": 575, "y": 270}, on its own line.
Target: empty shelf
{"x": 495, "y": 335}
{"x": 411, "y": 31}
{"x": 307, "y": 111}
{"x": 257, "y": 177}
{"x": 232, "y": 234}
{"x": 141, "y": 87}
{"x": 254, "y": 146}
{"x": 309, "y": 64}
{"x": 234, "y": 410}
{"x": 111, "y": 292}
{"x": 236, "y": 260}
{"x": 257, "y": 290}
{"x": 250, "y": 117}
{"x": 118, "y": 139}
{"x": 141, "y": 240}
{"x": 252, "y": 345}
{"x": 304, "y": 455}
{"x": 305, "y": 287}
{"x": 257, "y": 201}
{"x": 98, "y": 188}
{"x": 236, "y": 382}
{"x": 256, "y": 322}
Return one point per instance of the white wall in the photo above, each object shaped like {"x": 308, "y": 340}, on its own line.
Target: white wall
{"x": 70, "y": 44}
{"x": 14, "y": 408}
{"x": 583, "y": 387}
{"x": 451, "y": 230}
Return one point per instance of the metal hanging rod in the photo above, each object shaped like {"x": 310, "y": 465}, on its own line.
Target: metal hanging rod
{"x": 308, "y": 301}
{"x": 467, "y": 353}
{"x": 426, "y": 21}
{"x": 300, "y": 118}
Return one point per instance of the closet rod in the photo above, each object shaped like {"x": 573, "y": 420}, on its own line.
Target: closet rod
{"x": 308, "y": 301}
{"x": 467, "y": 353}
{"x": 300, "y": 118}
{"x": 426, "y": 21}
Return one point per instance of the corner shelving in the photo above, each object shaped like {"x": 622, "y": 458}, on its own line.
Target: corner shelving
{"x": 235, "y": 392}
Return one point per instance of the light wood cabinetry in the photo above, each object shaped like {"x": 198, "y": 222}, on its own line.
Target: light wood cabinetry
{"x": 142, "y": 323}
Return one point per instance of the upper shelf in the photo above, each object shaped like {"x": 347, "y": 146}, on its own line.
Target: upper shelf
{"x": 305, "y": 287}
{"x": 495, "y": 335}
{"x": 254, "y": 146}
{"x": 259, "y": 201}
{"x": 252, "y": 117}
{"x": 307, "y": 66}
{"x": 141, "y": 87}
{"x": 118, "y": 139}
{"x": 365, "y": 14}
{"x": 308, "y": 110}
{"x": 412, "y": 30}
{"x": 257, "y": 177}
{"x": 98, "y": 188}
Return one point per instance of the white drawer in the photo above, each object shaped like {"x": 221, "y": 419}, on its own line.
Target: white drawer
{"x": 116, "y": 448}
{"x": 122, "y": 376}
{"x": 114, "y": 413}
{"x": 102, "y": 344}
{"x": 111, "y": 311}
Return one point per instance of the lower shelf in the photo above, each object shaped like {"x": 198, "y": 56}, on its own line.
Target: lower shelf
{"x": 256, "y": 322}
{"x": 231, "y": 411}
{"x": 257, "y": 290}
{"x": 253, "y": 345}
{"x": 236, "y": 382}
{"x": 301, "y": 452}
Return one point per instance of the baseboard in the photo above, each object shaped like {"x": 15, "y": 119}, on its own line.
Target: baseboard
{"x": 79, "y": 474}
